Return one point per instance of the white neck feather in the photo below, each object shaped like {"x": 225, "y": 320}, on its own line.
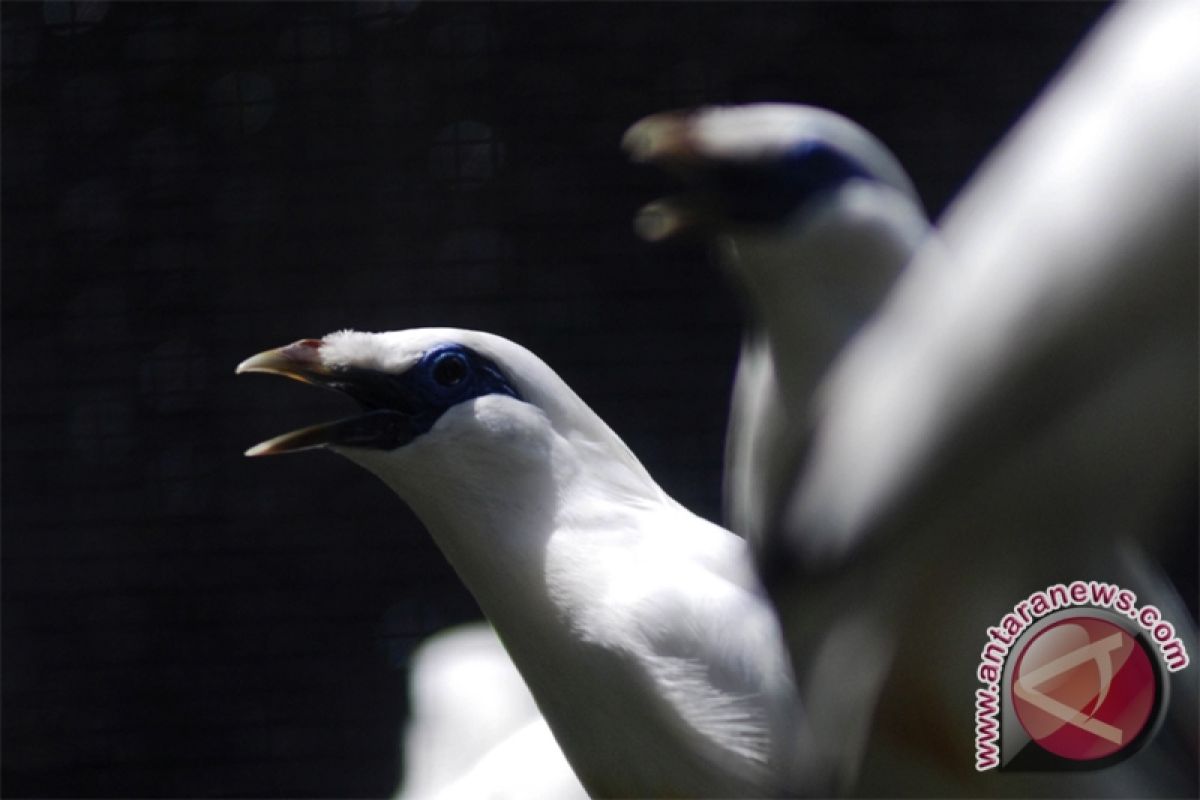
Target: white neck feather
{"x": 812, "y": 286}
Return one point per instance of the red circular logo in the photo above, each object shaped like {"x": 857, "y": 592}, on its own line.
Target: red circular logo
{"x": 1083, "y": 688}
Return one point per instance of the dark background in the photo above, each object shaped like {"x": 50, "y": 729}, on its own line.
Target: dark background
{"x": 185, "y": 185}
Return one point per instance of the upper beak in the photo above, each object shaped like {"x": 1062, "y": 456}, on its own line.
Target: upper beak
{"x": 662, "y": 139}
{"x": 300, "y": 361}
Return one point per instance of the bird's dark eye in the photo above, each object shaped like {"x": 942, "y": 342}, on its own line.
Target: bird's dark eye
{"x": 450, "y": 369}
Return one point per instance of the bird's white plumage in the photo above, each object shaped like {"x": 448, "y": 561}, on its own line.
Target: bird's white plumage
{"x": 1018, "y": 412}
{"x": 1051, "y": 338}
{"x": 1025, "y": 399}
{"x": 372, "y": 351}
{"x": 816, "y": 279}
{"x": 812, "y": 282}
{"x": 812, "y": 273}
{"x": 1074, "y": 247}
{"x": 474, "y": 730}
{"x": 759, "y": 133}
{"x": 761, "y": 442}
{"x": 526, "y": 765}
{"x": 639, "y": 627}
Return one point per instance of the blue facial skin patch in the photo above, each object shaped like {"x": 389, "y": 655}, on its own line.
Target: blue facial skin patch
{"x": 401, "y": 407}
{"x": 769, "y": 191}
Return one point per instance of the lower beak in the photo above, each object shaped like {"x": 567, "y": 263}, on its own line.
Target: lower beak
{"x": 365, "y": 430}
{"x": 671, "y": 218}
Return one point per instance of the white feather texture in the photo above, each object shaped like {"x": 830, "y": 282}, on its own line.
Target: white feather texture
{"x": 812, "y": 283}
{"x": 813, "y": 269}
{"x": 526, "y": 765}
{"x": 639, "y": 627}
{"x": 1018, "y": 414}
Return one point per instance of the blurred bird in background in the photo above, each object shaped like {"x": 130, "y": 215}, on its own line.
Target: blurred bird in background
{"x": 1026, "y": 413}
{"x": 640, "y": 629}
{"x": 812, "y": 218}
{"x": 474, "y": 731}
{"x": 1019, "y": 413}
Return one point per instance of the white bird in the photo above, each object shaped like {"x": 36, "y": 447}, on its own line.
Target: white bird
{"x": 639, "y": 627}
{"x": 1022, "y": 417}
{"x": 1018, "y": 412}
{"x": 474, "y": 731}
{"x": 812, "y": 218}
{"x": 527, "y": 764}
{"x": 1020, "y": 409}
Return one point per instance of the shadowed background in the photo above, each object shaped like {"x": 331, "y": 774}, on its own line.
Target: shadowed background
{"x": 185, "y": 185}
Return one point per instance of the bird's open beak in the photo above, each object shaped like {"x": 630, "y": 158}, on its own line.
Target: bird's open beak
{"x": 301, "y": 361}
{"x": 665, "y": 140}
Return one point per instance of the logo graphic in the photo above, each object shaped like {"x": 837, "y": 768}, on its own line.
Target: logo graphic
{"x": 1069, "y": 684}
{"x": 1084, "y": 688}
